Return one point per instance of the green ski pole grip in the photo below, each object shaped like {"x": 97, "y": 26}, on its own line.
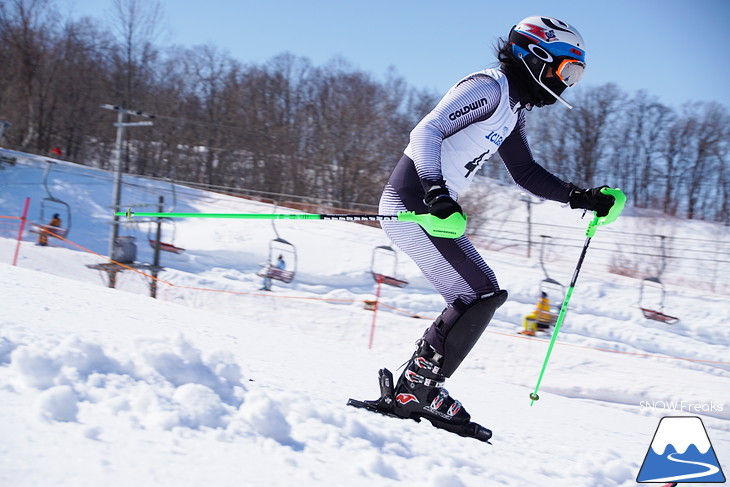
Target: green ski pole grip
{"x": 613, "y": 213}
{"x": 452, "y": 227}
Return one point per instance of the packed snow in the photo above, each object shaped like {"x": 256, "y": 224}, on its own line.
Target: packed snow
{"x": 218, "y": 383}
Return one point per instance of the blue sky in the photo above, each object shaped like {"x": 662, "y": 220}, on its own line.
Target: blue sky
{"x": 673, "y": 49}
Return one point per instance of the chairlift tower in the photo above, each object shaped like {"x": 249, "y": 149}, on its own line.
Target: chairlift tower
{"x": 530, "y": 201}
{"x": 121, "y": 125}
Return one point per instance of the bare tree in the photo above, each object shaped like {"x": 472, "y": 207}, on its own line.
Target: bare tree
{"x": 706, "y": 151}
{"x": 136, "y": 24}
{"x": 637, "y": 139}
{"x": 331, "y": 132}
{"x": 207, "y": 70}
{"x": 81, "y": 82}
{"x": 26, "y": 33}
{"x": 594, "y": 116}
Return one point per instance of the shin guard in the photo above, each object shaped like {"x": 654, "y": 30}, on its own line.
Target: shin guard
{"x": 459, "y": 327}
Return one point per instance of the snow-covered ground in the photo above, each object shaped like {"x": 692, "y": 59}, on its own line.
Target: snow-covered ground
{"x": 217, "y": 383}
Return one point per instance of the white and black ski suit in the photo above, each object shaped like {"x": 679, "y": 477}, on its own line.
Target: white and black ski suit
{"x": 479, "y": 116}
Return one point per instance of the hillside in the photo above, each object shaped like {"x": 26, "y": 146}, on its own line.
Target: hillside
{"x": 244, "y": 387}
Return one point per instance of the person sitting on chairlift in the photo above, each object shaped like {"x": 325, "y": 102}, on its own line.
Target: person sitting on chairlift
{"x": 281, "y": 265}
{"x": 540, "y": 316}
{"x": 43, "y": 234}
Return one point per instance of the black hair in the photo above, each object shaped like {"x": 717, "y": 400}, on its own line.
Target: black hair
{"x": 531, "y": 94}
{"x": 507, "y": 62}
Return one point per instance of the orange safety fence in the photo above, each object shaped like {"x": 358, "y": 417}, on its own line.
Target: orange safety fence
{"x": 173, "y": 285}
{"x": 4, "y": 221}
{"x": 9, "y": 225}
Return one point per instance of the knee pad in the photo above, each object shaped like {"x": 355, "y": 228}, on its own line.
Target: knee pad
{"x": 459, "y": 327}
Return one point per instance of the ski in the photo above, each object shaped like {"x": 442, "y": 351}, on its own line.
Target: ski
{"x": 384, "y": 406}
{"x": 469, "y": 430}
{"x": 371, "y": 406}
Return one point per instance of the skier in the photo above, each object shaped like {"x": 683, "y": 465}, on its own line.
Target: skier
{"x": 482, "y": 114}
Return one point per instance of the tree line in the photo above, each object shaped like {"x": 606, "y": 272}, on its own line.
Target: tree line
{"x": 329, "y": 132}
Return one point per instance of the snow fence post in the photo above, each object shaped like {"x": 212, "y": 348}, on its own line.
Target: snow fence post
{"x": 22, "y": 227}
{"x": 375, "y": 311}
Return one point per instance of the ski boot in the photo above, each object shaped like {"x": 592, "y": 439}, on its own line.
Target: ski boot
{"x": 420, "y": 392}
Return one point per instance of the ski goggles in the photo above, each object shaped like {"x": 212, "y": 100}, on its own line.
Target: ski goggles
{"x": 570, "y": 71}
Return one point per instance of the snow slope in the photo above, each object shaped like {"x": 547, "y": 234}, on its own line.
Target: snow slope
{"x": 242, "y": 387}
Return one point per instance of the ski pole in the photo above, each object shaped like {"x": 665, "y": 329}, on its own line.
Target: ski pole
{"x": 613, "y": 213}
{"x": 452, "y": 227}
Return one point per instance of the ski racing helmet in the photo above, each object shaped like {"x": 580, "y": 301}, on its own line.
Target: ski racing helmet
{"x": 553, "y": 55}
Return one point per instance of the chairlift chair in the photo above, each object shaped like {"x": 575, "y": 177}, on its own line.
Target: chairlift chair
{"x": 7, "y": 160}
{"x": 384, "y": 266}
{"x": 51, "y": 205}
{"x": 4, "y": 160}
{"x": 280, "y": 247}
{"x": 553, "y": 289}
{"x": 165, "y": 246}
{"x": 651, "y": 301}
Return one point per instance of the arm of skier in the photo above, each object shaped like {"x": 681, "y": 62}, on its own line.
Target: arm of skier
{"x": 526, "y": 172}
{"x": 531, "y": 176}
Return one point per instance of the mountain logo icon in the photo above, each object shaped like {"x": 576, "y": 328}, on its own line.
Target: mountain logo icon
{"x": 681, "y": 452}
